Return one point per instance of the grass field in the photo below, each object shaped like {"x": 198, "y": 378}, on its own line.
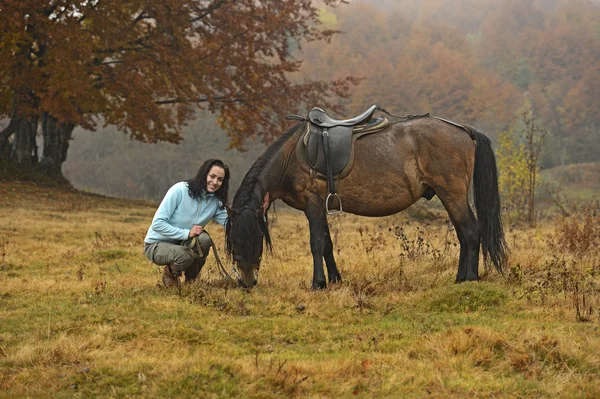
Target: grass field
{"x": 81, "y": 314}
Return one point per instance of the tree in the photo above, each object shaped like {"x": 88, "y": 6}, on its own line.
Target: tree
{"x": 145, "y": 65}
{"x": 512, "y": 166}
{"x": 550, "y": 49}
{"x": 518, "y": 162}
{"x": 412, "y": 65}
{"x": 535, "y": 138}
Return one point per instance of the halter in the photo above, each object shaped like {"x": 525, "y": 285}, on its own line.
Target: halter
{"x": 239, "y": 258}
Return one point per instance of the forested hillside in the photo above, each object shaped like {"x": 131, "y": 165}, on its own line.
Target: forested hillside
{"x": 478, "y": 62}
{"x": 475, "y": 62}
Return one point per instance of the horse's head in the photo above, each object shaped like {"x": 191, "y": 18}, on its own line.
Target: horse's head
{"x": 244, "y": 235}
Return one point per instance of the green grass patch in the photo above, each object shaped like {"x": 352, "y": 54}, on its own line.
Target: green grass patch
{"x": 468, "y": 297}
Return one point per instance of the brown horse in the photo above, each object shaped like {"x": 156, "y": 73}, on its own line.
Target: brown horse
{"x": 410, "y": 159}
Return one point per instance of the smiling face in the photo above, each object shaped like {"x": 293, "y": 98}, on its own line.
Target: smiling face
{"x": 214, "y": 179}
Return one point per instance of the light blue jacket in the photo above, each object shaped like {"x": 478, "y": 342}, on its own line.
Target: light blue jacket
{"x": 175, "y": 215}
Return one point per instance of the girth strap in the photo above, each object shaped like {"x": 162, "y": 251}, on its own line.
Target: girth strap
{"x": 330, "y": 177}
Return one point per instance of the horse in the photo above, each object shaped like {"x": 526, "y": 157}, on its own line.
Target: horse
{"x": 409, "y": 159}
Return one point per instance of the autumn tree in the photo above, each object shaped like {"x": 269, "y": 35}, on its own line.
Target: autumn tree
{"x": 518, "y": 156}
{"x": 512, "y": 166}
{"x": 551, "y": 51}
{"x": 145, "y": 66}
{"x": 535, "y": 138}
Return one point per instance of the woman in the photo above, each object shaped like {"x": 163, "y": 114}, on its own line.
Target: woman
{"x": 182, "y": 215}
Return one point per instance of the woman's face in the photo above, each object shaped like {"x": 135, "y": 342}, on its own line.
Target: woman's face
{"x": 214, "y": 179}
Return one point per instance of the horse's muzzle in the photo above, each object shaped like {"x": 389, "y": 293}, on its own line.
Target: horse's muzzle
{"x": 243, "y": 284}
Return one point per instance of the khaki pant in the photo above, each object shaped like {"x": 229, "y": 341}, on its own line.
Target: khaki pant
{"x": 180, "y": 258}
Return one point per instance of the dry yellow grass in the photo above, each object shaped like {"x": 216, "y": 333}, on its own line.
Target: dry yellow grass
{"x": 81, "y": 313}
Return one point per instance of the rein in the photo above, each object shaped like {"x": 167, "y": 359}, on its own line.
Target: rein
{"x": 226, "y": 276}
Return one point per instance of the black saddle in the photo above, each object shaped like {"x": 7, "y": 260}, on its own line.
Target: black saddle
{"x": 333, "y": 145}
{"x": 328, "y": 143}
{"x": 318, "y": 117}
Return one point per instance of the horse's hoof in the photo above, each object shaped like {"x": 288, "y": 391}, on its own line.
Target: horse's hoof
{"x": 319, "y": 285}
{"x": 468, "y": 278}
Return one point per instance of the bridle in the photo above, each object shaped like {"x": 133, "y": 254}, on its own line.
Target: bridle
{"x": 238, "y": 259}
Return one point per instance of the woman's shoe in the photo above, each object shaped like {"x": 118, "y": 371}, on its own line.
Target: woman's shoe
{"x": 168, "y": 278}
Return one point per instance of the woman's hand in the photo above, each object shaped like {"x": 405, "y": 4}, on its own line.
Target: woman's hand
{"x": 196, "y": 231}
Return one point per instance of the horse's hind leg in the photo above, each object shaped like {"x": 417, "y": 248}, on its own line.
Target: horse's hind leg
{"x": 332, "y": 271}
{"x": 468, "y": 232}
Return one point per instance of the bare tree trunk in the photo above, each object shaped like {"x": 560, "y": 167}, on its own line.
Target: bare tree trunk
{"x": 533, "y": 186}
{"x": 23, "y": 147}
{"x": 4, "y": 140}
{"x": 535, "y": 138}
{"x": 56, "y": 145}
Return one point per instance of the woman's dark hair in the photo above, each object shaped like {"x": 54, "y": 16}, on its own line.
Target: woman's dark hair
{"x": 197, "y": 184}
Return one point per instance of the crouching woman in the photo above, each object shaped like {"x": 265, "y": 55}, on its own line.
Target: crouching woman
{"x": 184, "y": 211}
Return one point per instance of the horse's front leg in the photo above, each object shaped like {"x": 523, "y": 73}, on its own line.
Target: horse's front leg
{"x": 317, "y": 223}
{"x": 332, "y": 271}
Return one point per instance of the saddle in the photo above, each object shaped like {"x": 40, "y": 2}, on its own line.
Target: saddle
{"x": 327, "y": 146}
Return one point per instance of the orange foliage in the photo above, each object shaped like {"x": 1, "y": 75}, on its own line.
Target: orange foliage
{"x": 411, "y": 67}
{"x": 470, "y": 60}
{"x": 146, "y": 65}
{"x": 476, "y": 62}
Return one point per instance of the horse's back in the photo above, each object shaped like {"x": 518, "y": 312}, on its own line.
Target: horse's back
{"x": 439, "y": 147}
{"x": 431, "y": 142}
{"x": 394, "y": 168}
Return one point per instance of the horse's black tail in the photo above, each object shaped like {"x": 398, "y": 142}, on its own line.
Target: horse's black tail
{"x": 487, "y": 202}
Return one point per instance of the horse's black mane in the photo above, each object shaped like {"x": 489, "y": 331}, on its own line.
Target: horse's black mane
{"x": 245, "y": 194}
{"x": 250, "y": 227}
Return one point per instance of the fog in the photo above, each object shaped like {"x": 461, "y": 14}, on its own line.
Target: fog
{"x": 472, "y": 61}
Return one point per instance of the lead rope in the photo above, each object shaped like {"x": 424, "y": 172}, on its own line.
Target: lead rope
{"x": 195, "y": 243}
{"x": 220, "y": 267}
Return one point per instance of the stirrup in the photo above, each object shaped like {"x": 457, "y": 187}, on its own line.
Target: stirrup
{"x": 333, "y": 212}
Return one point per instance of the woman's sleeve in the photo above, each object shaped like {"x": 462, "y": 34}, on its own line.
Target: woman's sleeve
{"x": 160, "y": 223}
{"x": 221, "y": 216}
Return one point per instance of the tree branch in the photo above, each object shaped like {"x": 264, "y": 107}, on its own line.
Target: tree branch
{"x": 139, "y": 17}
{"x": 208, "y": 11}
{"x": 183, "y": 101}
{"x": 50, "y": 10}
{"x": 120, "y": 49}
{"x": 218, "y": 99}
{"x": 90, "y": 7}
{"x": 224, "y": 45}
